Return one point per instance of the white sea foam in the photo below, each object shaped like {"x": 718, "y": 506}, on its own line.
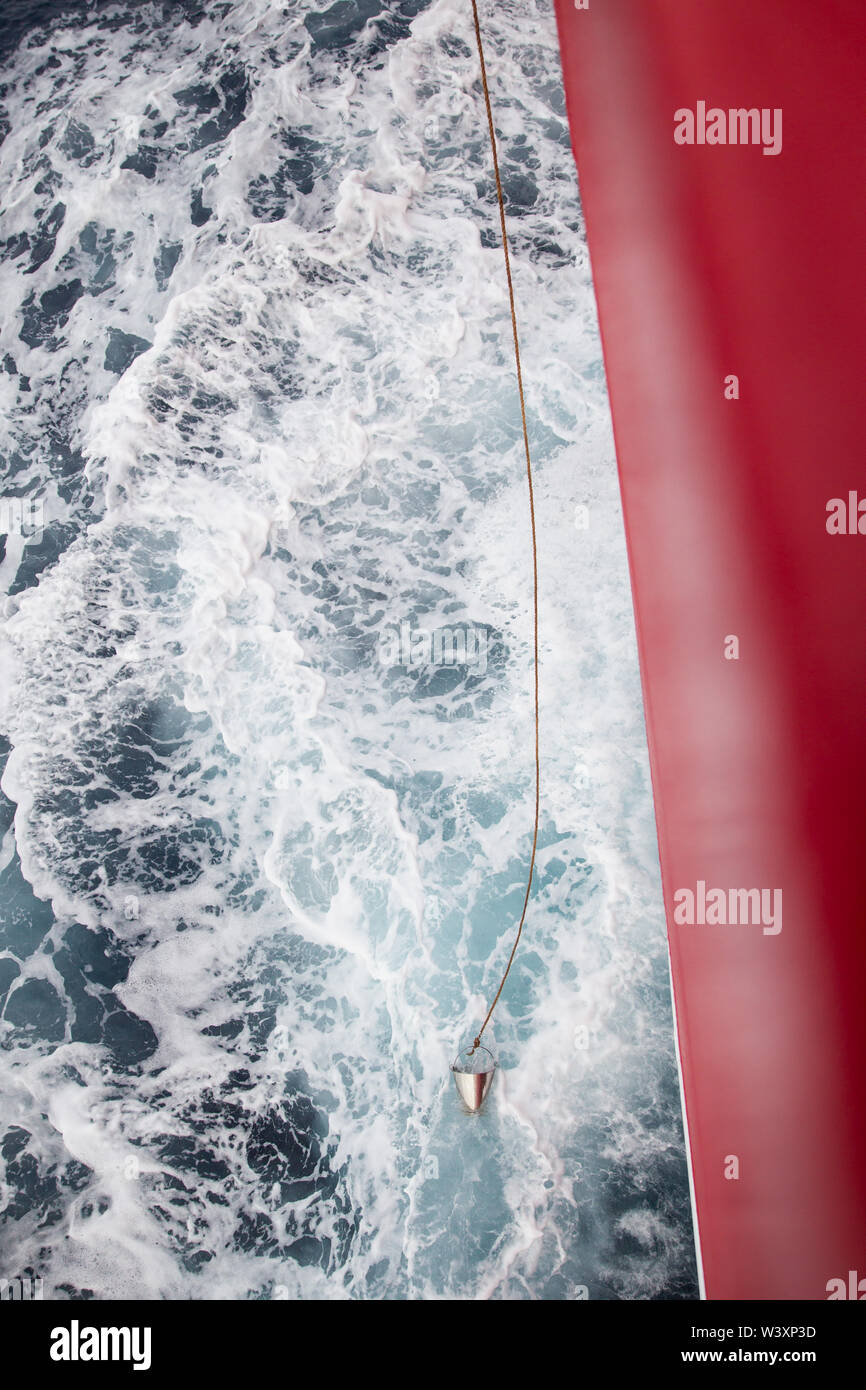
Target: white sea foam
{"x": 307, "y": 870}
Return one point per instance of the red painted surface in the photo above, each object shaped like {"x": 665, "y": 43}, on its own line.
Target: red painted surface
{"x": 712, "y": 260}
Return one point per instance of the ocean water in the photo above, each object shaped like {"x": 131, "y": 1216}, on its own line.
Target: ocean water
{"x": 260, "y": 870}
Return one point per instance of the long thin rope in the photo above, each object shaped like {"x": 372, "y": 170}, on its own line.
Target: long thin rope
{"x": 491, "y": 128}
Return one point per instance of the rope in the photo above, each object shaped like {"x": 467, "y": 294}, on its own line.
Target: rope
{"x": 477, "y": 1042}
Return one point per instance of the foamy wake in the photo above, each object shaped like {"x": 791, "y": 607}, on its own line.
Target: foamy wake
{"x": 260, "y": 882}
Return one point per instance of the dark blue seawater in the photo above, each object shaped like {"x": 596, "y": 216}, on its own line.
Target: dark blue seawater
{"x": 261, "y": 861}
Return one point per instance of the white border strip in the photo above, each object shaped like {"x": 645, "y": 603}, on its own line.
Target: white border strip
{"x": 696, "y": 1226}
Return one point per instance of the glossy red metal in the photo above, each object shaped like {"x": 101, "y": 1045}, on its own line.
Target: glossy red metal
{"x": 714, "y": 262}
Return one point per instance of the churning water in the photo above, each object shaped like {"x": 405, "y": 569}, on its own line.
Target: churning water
{"x": 261, "y": 869}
